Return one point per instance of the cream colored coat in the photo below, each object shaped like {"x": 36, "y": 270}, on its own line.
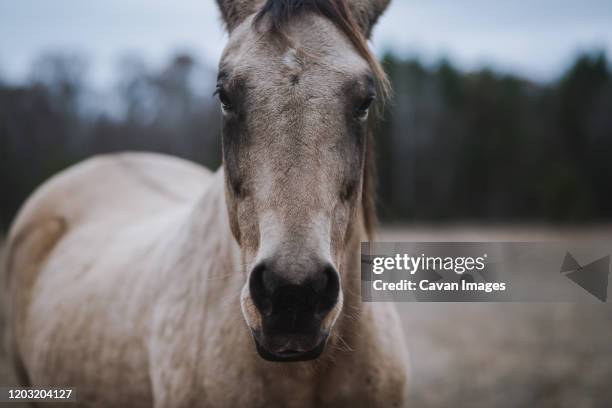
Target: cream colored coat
{"x": 124, "y": 282}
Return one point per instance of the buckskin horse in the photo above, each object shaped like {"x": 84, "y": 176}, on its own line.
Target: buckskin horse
{"x": 145, "y": 280}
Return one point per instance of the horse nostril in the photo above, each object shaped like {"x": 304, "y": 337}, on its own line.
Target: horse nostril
{"x": 260, "y": 289}
{"x": 327, "y": 290}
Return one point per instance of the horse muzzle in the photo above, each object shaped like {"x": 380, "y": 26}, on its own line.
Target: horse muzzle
{"x": 297, "y": 311}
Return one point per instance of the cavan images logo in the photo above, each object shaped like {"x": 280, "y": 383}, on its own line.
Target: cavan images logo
{"x": 592, "y": 277}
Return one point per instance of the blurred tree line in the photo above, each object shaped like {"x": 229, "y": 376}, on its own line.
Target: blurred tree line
{"x": 478, "y": 146}
{"x": 483, "y": 146}
{"x": 56, "y": 119}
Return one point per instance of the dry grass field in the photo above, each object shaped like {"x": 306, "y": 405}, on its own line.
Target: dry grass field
{"x": 500, "y": 355}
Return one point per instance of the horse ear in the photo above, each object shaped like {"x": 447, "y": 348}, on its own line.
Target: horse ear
{"x": 367, "y": 12}
{"x": 235, "y": 11}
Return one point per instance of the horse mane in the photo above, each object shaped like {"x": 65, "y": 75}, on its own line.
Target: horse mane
{"x": 279, "y": 13}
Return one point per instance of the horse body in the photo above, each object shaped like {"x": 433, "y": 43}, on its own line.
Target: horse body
{"x": 145, "y": 280}
{"x": 99, "y": 226}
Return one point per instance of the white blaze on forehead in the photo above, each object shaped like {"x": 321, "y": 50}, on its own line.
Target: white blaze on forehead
{"x": 290, "y": 59}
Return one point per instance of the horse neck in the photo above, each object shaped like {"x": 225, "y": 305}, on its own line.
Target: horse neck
{"x": 209, "y": 243}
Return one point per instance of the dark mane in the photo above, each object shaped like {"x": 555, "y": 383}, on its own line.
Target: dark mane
{"x": 278, "y": 15}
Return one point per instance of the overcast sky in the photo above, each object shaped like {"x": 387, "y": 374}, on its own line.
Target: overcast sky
{"x": 535, "y": 38}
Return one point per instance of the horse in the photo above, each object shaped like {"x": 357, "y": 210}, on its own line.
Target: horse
{"x": 144, "y": 280}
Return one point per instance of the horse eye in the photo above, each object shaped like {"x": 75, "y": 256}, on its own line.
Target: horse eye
{"x": 362, "y": 111}
{"x": 226, "y": 104}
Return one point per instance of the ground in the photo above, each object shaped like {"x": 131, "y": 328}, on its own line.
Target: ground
{"x": 500, "y": 354}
